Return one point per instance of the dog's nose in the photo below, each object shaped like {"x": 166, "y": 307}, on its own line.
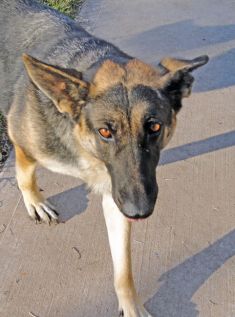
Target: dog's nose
{"x": 132, "y": 211}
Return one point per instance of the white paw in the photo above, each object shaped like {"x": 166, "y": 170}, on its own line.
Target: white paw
{"x": 42, "y": 211}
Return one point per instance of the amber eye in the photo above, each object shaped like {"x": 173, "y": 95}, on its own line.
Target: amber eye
{"x": 155, "y": 127}
{"x": 105, "y": 133}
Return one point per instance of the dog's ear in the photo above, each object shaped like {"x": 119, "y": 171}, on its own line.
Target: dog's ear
{"x": 177, "y": 80}
{"x": 66, "y": 90}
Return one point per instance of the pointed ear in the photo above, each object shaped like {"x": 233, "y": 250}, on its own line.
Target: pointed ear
{"x": 68, "y": 92}
{"x": 177, "y": 80}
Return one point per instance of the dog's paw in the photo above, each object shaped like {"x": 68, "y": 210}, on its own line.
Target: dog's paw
{"x": 42, "y": 212}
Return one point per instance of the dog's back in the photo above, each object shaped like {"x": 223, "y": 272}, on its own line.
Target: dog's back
{"x": 27, "y": 26}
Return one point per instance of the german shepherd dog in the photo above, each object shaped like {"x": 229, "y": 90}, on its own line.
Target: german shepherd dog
{"x": 82, "y": 107}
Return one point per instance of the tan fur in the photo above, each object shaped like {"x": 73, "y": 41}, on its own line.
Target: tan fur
{"x": 29, "y": 134}
{"x": 137, "y": 115}
{"x": 173, "y": 64}
{"x": 139, "y": 72}
{"x": 38, "y": 208}
{"x": 25, "y": 173}
{"x": 134, "y": 73}
{"x": 169, "y": 130}
{"x": 108, "y": 75}
{"x": 23, "y": 160}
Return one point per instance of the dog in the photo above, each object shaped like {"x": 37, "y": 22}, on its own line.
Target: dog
{"x": 78, "y": 105}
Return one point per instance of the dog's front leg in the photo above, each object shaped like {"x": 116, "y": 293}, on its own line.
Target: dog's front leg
{"x": 38, "y": 208}
{"x": 119, "y": 232}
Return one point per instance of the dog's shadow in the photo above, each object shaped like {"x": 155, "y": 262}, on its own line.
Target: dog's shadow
{"x": 174, "y": 297}
{"x": 71, "y": 202}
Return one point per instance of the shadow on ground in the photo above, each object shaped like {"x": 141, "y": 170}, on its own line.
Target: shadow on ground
{"x": 71, "y": 202}
{"x": 218, "y": 73}
{"x": 174, "y": 297}
{"x": 176, "y": 38}
{"x": 181, "y": 36}
{"x": 197, "y": 148}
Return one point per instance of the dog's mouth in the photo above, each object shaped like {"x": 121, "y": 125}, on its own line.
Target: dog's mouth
{"x": 135, "y": 220}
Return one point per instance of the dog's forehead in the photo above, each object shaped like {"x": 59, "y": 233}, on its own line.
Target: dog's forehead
{"x": 135, "y": 72}
{"x": 126, "y": 92}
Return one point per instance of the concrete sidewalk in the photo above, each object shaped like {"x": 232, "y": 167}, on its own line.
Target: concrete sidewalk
{"x": 184, "y": 255}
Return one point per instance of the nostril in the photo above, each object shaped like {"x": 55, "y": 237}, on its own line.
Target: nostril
{"x": 141, "y": 216}
{"x": 133, "y": 212}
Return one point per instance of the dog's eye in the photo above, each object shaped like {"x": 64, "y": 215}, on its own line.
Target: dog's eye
{"x": 105, "y": 133}
{"x": 154, "y": 127}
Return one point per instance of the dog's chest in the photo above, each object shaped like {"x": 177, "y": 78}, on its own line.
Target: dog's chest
{"x": 93, "y": 173}
{"x": 61, "y": 167}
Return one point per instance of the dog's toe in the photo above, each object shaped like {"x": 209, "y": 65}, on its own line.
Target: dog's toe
{"x": 49, "y": 209}
{"x": 32, "y": 213}
{"x": 43, "y": 212}
{"x": 43, "y": 215}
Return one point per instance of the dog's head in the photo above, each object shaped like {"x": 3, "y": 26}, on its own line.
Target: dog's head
{"x": 124, "y": 117}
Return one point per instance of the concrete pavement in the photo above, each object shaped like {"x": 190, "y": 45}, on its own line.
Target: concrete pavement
{"x": 184, "y": 255}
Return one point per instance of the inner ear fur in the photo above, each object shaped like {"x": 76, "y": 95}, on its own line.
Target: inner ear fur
{"x": 174, "y": 65}
{"x": 68, "y": 92}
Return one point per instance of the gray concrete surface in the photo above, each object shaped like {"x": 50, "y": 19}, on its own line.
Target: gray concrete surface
{"x": 184, "y": 255}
